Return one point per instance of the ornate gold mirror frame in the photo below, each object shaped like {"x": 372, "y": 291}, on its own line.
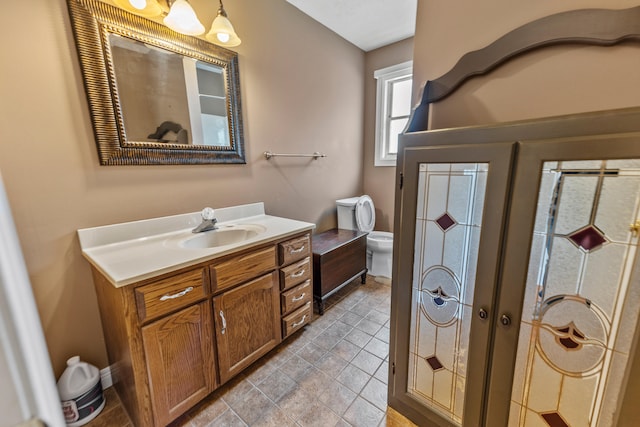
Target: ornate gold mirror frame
{"x": 93, "y": 23}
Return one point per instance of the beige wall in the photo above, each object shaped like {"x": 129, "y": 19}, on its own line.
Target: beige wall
{"x": 379, "y": 182}
{"x": 302, "y": 91}
{"x": 548, "y": 82}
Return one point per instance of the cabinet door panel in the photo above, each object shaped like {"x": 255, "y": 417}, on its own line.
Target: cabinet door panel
{"x": 247, "y": 321}
{"x": 180, "y": 361}
{"x": 453, "y": 205}
{"x": 570, "y": 285}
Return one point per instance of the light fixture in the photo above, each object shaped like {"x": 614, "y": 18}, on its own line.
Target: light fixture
{"x": 182, "y": 18}
{"x": 140, "y": 7}
{"x": 222, "y": 32}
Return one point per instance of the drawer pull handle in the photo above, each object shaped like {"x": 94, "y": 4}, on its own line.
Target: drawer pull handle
{"x": 295, "y": 325}
{"x": 224, "y": 323}
{"x": 300, "y": 298}
{"x": 298, "y": 273}
{"x": 297, "y": 251}
{"x": 178, "y": 295}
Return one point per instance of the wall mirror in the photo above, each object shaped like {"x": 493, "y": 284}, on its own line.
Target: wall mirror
{"x": 156, "y": 96}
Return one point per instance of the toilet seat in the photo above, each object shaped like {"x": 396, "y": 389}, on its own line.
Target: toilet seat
{"x": 365, "y": 214}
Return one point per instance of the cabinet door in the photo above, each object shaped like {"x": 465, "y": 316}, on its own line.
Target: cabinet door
{"x": 447, "y": 253}
{"x": 247, "y": 323}
{"x": 569, "y": 296}
{"x": 180, "y": 361}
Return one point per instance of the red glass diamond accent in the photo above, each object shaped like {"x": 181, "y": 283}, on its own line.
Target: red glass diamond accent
{"x": 588, "y": 238}
{"x": 434, "y": 363}
{"x": 445, "y": 222}
{"x": 554, "y": 419}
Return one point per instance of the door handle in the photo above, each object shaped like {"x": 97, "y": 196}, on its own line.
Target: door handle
{"x": 483, "y": 314}
{"x": 505, "y": 320}
{"x": 166, "y": 297}
{"x": 299, "y": 273}
{"x": 224, "y": 323}
{"x": 300, "y": 298}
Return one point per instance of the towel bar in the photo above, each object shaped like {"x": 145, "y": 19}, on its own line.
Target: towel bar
{"x": 316, "y": 155}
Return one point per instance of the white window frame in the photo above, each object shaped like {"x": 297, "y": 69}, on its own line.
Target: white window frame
{"x": 384, "y": 77}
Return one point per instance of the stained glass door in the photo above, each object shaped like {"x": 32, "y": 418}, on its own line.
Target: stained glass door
{"x": 577, "y": 290}
{"x": 453, "y": 211}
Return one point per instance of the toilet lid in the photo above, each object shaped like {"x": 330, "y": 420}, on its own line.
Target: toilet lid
{"x": 365, "y": 214}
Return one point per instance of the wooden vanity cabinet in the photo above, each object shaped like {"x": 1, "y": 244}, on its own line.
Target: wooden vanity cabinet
{"x": 159, "y": 338}
{"x": 173, "y": 339}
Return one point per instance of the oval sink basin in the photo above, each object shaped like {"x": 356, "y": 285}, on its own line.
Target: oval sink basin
{"x": 222, "y": 236}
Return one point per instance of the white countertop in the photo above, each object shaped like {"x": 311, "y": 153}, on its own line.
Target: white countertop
{"x": 129, "y": 252}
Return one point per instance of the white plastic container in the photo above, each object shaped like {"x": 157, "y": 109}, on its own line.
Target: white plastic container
{"x": 80, "y": 391}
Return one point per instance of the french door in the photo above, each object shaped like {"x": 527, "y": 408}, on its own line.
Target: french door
{"x": 516, "y": 296}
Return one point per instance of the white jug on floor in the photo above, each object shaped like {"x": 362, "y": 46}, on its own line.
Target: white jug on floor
{"x": 80, "y": 390}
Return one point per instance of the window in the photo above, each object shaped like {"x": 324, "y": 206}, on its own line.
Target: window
{"x": 393, "y": 106}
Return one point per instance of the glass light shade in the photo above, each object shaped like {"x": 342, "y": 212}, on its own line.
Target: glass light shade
{"x": 140, "y": 7}
{"x": 222, "y": 32}
{"x": 182, "y": 19}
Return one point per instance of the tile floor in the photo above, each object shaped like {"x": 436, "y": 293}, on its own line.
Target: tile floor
{"x": 331, "y": 373}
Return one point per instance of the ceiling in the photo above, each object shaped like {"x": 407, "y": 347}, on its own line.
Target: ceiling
{"x": 368, "y": 24}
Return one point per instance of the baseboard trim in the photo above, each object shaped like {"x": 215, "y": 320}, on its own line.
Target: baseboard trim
{"x": 105, "y": 377}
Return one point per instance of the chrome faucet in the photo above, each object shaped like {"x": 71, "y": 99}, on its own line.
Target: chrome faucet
{"x": 208, "y": 221}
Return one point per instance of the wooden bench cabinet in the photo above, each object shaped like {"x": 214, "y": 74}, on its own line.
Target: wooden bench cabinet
{"x": 339, "y": 256}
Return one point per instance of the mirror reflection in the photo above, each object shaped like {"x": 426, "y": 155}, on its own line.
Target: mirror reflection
{"x": 169, "y": 98}
{"x": 156, "y": 97}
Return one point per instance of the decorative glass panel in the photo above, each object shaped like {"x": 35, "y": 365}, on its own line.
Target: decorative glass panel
{"x": 448, "y": 217}
{"x": 581, "y": 305}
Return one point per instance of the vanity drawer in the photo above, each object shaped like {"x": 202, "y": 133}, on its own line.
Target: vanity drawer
{"x": 296, "y": 320}
{"x": 295, "y": 274}
{"x": 241, "y": 268}
{"x": 163, "y": 296}
{"x": 294, "y": 249}
{"x": 296, "y": 297}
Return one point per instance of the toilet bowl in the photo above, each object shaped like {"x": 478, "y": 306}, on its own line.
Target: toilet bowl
{"x": 358, "y": 213}
{"x": 379, "y": 253}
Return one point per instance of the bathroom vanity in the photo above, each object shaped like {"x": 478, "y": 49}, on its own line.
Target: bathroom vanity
{"x": 183, "y": 313}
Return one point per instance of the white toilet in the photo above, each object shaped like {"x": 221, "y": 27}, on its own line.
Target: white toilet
{"x": 358, "y": 213}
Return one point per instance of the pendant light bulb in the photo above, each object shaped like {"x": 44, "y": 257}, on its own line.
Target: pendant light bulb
{"x": 182, "y": 19}
{"x": 138, "y": 4}
{"x": 148, "y": 8}
{"x": 222, "y": 32}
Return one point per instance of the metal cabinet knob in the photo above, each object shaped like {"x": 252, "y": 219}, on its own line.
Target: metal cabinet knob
{"x": 482, "y": 313}
{"x": 505, "y": 320}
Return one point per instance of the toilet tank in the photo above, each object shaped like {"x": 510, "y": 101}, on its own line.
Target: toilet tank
{"x": 346, "y": 213}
